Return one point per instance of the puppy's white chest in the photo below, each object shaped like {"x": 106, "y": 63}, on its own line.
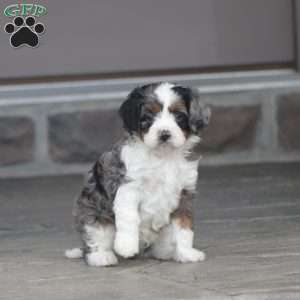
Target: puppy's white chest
{"x": 160, "y": 190}
{"x": 168, "y": 172}
{"x": 159, "y": 197}
{"x": 159, "y": 182}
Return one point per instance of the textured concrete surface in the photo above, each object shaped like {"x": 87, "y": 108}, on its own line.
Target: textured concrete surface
{"x": 247, "y": 221}
{"x": 289, "y": 122}
{"x": 81, "y": 136}
{"x": 16, "y": 140}
{"x": 231, "y": 128}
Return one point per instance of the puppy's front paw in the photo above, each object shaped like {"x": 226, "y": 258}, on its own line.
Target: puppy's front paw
{"x": 101, "y": 259}
{"x": 185, "y": 255}
{"x": 126, "y": 245}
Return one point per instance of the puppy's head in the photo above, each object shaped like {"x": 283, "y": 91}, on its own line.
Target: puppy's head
{"x": 164, "y": 114}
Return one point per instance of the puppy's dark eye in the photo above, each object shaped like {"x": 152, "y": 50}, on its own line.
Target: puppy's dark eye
{"x": 182, "y": 120}
{"x": 146, "y": 121}
{"x": 146, "y": 118}
{"x": 180, "y": 116}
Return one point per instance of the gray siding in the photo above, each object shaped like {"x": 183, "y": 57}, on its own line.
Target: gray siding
{"x": 94, "y": 37}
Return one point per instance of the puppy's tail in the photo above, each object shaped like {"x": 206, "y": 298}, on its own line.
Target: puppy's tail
{"x": 74, "y": 253}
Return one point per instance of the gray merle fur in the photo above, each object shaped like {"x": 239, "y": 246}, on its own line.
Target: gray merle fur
{"x": 95, "y": 203}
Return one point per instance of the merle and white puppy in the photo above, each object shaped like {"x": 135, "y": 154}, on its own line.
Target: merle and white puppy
{"x": 138, "y": 196}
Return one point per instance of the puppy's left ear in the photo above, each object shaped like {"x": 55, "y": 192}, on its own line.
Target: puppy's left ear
{"x": 199, "y": 112}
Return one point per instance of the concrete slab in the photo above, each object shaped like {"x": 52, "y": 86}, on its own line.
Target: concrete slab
{"x": 247, "y": 221}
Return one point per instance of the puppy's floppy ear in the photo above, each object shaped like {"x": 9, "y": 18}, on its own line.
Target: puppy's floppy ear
{"x": 130, "y": 110}
{"x": 199, "y": 113}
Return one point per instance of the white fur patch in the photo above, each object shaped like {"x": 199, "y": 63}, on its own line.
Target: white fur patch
{"x": 100, "y": 241}
{"x": 101, "y": 259}
{"x": 184, "y": 251}
{"x": 100, "y": 237}
{"x": 186, "y": 255}
{"x": 165, "y": 121}
{"x": 175, "y": 242}
{"x": 164, "y": 246}
{"x": 74, "y": 253}
{"x": 127, "y": 220}
{"x": 165, "y": 94}
{"x": 145, "y": 204}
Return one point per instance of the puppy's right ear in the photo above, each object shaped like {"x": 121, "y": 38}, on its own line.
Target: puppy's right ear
{"x": 199, "y": 113}
{"x": 130, "y": 110}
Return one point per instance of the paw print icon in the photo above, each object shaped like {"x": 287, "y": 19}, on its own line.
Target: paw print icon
{"x": 24, "y": 32}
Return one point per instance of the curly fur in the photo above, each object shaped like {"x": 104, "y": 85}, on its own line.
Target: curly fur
{"x": 138, "y": 196}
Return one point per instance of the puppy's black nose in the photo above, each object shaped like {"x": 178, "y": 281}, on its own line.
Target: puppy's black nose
{"x": 164, "y": 135}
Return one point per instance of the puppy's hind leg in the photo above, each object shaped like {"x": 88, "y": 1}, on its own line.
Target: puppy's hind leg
{"x": 164, "y": 247}
{"x": 183, "y": 239}
{"x": 175, "y": 242}
{"x": 176, "y": 239}
{"x": 98, "y": 239}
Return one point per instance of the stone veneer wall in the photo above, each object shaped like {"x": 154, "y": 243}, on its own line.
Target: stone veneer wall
{"x": 65, "y": 136}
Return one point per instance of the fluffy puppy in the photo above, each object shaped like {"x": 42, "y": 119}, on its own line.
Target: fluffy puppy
{"x": 138, "y": 196}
